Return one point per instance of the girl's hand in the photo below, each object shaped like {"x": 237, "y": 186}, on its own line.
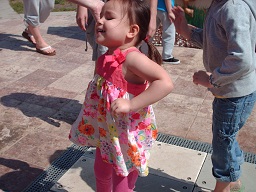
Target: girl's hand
{"x": 121, "y": 106}
{"x": 202, "y": 78}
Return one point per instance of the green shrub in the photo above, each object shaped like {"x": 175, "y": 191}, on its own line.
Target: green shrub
{"x": 17, "y": 6}
{"x": 198, "y": 18}
{"x": 61, "y": 2}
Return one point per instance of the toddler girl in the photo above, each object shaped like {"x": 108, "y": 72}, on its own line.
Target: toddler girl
{"x": 117, "y": 116}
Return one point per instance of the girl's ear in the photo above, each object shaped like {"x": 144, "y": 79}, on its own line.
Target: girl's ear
{"x": 134, "y": 30}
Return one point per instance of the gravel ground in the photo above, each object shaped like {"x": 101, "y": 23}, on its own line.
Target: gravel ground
{"x": 180, "y": 41}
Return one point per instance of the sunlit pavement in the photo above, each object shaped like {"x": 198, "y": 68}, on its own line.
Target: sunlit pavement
{"x": 41, "y": 97}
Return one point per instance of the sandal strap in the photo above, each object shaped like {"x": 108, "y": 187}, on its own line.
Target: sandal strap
{"x": 44, "y": 48}
{"x": 29, "y": 34}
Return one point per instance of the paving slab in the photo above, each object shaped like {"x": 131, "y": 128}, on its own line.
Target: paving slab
{"x": 175, "y": 162}
{"x": 172, "y": 168}
{"x": 80, "y": 177}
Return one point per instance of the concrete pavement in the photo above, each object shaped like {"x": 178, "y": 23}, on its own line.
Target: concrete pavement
{"x": 40, "y": 97}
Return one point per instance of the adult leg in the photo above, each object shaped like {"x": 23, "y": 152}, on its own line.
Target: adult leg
{"x": 45, "y": 8}
{"x": 168, "y": 38}
{"x": 103, "y": 173}
{"x": 32, "y": 19}
{"x": 124, "y": 184}
{"x": 168, "y": 35}
{"x": 31, "y": 12}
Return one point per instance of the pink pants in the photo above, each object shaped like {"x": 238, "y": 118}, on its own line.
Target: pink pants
{"x": 108, "y": 181}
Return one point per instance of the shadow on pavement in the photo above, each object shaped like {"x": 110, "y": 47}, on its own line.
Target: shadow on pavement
{"x": 10, "y": 41}
{"x": 47, "y": 108}
{"x": 20, "y": 176}
{"x": 73, "y": 32}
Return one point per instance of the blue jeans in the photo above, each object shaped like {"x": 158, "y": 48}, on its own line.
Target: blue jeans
{"x": 229, "y": 116}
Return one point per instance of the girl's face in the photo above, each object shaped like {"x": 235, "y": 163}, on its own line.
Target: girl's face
{"x": 113, "y": 26}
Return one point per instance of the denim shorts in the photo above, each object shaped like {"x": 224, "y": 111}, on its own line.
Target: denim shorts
{"x": 229, "y": 116}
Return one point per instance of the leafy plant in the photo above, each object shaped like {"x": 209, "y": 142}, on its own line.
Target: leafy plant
{"x": 17, "y": 6}
{"x": 198, "y": 18}
{"x": 62, "y": 2}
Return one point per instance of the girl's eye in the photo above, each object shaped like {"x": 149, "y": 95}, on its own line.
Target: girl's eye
{"x": 109, "y": 18}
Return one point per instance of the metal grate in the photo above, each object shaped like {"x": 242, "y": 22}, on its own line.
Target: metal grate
{"x": 181, "y": 142}
{"x": 60, "y": 166}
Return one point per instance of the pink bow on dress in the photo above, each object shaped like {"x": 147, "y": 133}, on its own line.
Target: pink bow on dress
{"x": 116, "y": 59}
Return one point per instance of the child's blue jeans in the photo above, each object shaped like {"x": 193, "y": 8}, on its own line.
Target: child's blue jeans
{"x": 229, "y": 116}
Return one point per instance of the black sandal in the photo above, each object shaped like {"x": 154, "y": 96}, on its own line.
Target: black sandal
{"x": 28, "y": 37}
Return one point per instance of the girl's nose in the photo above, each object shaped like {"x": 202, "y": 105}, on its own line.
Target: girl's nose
{"x": 99, "y": 22}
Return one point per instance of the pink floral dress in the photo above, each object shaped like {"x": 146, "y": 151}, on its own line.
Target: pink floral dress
{"x": 124, "y": 140}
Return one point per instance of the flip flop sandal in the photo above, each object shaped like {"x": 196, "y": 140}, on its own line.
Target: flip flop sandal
{"x": 42, "y": 51}
{"x": 28, "y": 37}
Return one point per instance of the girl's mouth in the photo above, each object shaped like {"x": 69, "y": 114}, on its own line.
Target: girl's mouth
{"x": 100, "y": 30}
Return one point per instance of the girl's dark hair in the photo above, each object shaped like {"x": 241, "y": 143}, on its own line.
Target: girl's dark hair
{"x": 138, "y": 12}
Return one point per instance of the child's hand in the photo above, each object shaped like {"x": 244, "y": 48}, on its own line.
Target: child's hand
{"x": 121, "y": 106}
{"x": 179, "y": 19}
{"x": 181, "y": 25}
{"x": 202, "y": 78}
